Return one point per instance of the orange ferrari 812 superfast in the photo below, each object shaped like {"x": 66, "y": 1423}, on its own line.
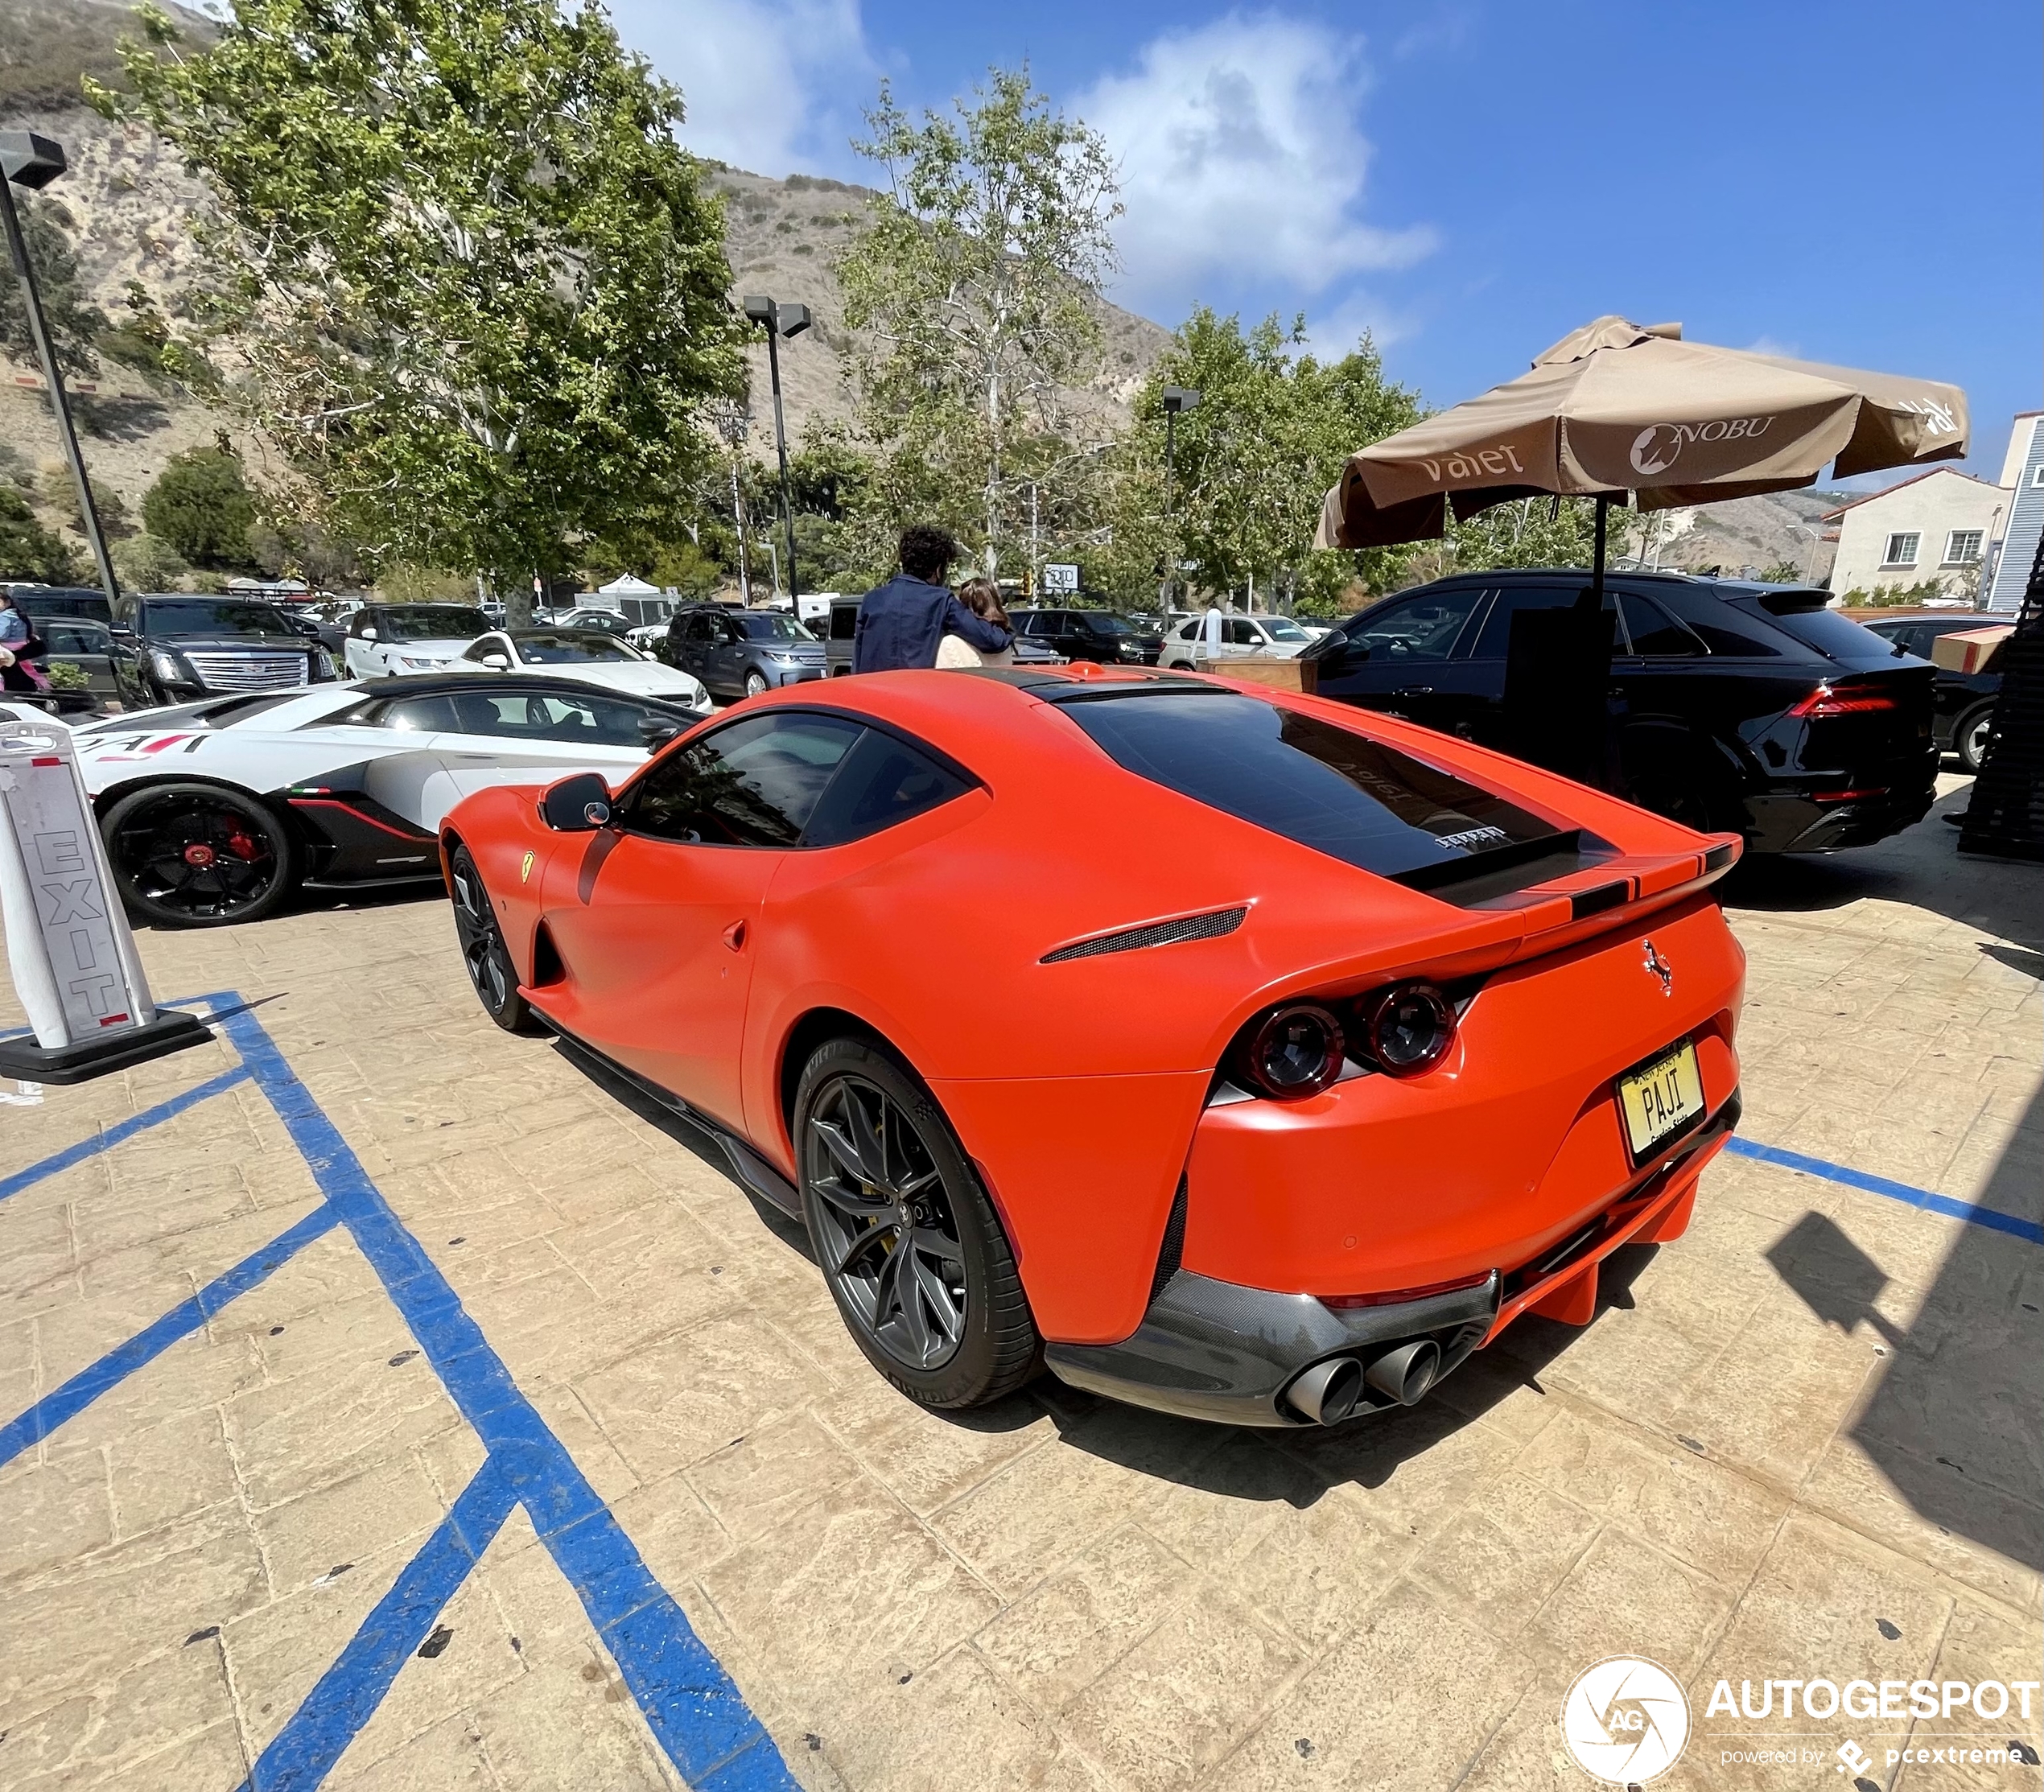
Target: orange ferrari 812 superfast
{"x": 1227, "y": 1051}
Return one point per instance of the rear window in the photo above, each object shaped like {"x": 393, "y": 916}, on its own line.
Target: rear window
{"x": 1355, "y": 799}
{"x": 1831, "y": 634}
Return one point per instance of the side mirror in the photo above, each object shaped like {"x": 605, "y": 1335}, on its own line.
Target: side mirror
{"x": 497, "y": 662}
{"x": 657, "y": 731}
{"x": 121, "y": 631}
{"x": 367, "y": 634}
{"x": 578, "y": 805}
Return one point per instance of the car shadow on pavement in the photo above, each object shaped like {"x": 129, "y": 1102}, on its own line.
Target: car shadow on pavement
{"x": 1954, "y": 1420}
{"x": 1920, "y": 867}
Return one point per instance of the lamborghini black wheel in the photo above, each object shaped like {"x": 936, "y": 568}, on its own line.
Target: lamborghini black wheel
{"x": 197, "y": 855}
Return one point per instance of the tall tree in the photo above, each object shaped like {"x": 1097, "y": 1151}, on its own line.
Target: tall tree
{"x": 75, "y": 322}
{"x": 977, "y": 282}
{"x": 480, "y": 286}
{"x": 1242, "y": 498}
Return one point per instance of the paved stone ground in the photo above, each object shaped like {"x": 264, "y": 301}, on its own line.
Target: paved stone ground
{"x": 1804, "y": 1441}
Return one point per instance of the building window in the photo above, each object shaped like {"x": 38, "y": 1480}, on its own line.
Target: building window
{"x": 2036, "y": 478}
{"x": 1963, "y": 548}
{"x": 1901, "y": 548}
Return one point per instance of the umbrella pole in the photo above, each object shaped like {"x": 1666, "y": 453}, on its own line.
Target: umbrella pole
{"x": 1597, "y": 565}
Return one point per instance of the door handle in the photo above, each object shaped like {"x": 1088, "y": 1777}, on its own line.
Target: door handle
{"x": 735, "y": 936}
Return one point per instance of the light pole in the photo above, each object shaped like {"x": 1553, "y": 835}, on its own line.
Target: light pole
{"x": 33, "y": 162}
{"x": 780, "y": 320}
{"x": 1809, "y": 559}
{"x": 1176, "y": 398}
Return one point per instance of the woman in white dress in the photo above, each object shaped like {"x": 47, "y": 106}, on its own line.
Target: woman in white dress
{"x": 955, "y": 653}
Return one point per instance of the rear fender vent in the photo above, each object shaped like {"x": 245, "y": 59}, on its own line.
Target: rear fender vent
{"x": 1173, "y": 1252}
{"x": 1164, "y": 933}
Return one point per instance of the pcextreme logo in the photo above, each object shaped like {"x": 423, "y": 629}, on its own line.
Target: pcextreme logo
{"x": 1655, "y": 450}
{"x": 1626, "y": 1720}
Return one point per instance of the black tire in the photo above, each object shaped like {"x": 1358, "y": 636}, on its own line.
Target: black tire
{"x": 1969, "y": 737}
{"x": 1680, "y": 781}
{"x": 484, "y": 954}
{"x": 198, "y": 855}
{"x": 878, "y": 1159}
{"x": 755, "y": 684}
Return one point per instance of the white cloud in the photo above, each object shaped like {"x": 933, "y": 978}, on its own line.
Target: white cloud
{"x": 1244, "y": 164}
{"x": 773, "y": 86}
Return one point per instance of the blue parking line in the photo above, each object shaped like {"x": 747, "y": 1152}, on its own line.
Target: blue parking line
{"x": 304, "y": 1752}
{"x": 696, "y": 1713}
{"x": 112, "y": 1135}
{"x": 181, "y": 1321}
{"x": 1993, "y": 1218}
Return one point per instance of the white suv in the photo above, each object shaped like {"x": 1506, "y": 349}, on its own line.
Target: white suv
{"x": 1273, "y": 637}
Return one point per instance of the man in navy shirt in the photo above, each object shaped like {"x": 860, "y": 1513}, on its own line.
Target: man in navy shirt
{"x": 902, "y": 624}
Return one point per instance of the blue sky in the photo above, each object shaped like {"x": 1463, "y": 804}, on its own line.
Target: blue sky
{"x": 1471, "y": 179}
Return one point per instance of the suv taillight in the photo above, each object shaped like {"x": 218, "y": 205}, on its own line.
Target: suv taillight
{"x": 1842, "y": 700}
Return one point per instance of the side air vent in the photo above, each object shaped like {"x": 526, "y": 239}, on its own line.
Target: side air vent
{"x": 1164, "y": 933}
{"x": 1171, "y": 1253}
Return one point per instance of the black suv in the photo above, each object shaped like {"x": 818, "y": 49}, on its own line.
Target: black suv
{"x": 1965, "y": 700}
{"x": 741, "y": 652}
{"x": 1733, "y": 706}
{"x": 1097, "y": 635}
{"x": 177, "y": 649}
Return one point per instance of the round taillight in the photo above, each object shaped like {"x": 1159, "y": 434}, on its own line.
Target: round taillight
{"x": 1294, "y": 1051}
{"x": 1411, "y": 1029}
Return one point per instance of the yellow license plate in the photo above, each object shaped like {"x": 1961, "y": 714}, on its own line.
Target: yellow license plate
{"x": 1660, "y": 1098}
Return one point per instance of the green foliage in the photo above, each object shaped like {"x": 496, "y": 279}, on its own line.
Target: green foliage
{"x": 976, "y": 281}
{"x": 59, "y": 493}
{"x": 28, "y": 551}
{"x": 1269, "y": 436}
{"x": 143, "y": 563}
{"x": 480, "y": 285}
{"x": 1530, "y": 532}
{"x": 1782, "y": 572}
{"x": 73, "y": 320}
{"x": 64, "y": 676}
{"x": 202, "y": 508}
{"x": 401, "y": 581}
{"x": 1893, "y": 597}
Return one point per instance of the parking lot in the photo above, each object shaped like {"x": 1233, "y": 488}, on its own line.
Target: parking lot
{"x": 403, "y": 1406}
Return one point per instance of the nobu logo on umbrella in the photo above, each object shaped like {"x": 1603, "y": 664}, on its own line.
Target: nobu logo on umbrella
{"x": 1653, "y": 450}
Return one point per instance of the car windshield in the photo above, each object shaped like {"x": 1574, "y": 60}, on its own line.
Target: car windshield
{"x": 770, "y": 625}
{"x": 570, "y": 649}
{"x": 1283, "y": 628}
{"x": 1106, "y": 623}
{"x": 213, "y": 615}
{"x": 434, "y": 622}
{"x": 1328, "y": 788}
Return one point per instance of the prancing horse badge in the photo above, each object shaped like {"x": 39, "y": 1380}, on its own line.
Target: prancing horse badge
{"x": 524, "y": 867}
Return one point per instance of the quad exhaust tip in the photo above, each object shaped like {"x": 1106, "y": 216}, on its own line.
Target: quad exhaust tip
{"x": 1329, "y": 1391}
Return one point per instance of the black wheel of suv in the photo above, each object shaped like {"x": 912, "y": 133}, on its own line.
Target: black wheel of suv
{"x": 909, "y": 1245}
{"x": 1969, "y": 738}
{"x": 483, "y": 953}
{"x": 1678, "y": 780}
{"x": 197, "y": 855}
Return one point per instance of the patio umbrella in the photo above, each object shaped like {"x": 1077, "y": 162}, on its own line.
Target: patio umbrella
{"x": 1617, "y": 408}
{"x": 1613, "y": 411}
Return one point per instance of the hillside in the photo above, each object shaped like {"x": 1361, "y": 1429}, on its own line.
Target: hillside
{"x": 132, "y": 205}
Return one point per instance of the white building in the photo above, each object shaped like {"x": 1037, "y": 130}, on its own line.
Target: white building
{"x": 2022, "y": 473}
{"x": 1936, "y": 529}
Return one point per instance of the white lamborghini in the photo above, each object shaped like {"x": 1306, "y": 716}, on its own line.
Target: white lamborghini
{"x": 214, "y": 812}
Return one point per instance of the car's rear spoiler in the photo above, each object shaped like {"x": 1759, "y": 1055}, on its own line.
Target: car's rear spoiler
{"x": 1584, "y": 902}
